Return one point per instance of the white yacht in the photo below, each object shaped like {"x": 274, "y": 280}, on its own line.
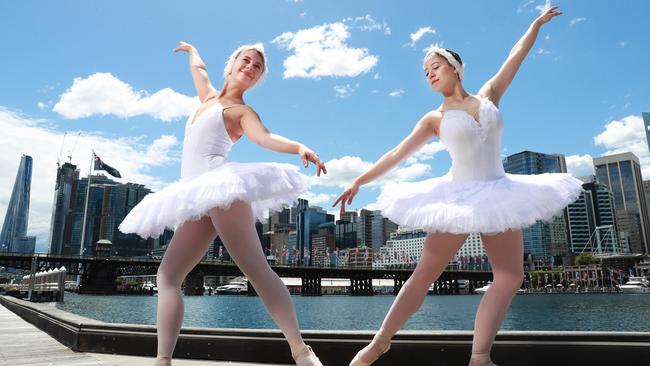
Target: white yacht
{"x": 482, "y": 290}
{"x": 636, "y": 285}
{"x": 238, "y": 286}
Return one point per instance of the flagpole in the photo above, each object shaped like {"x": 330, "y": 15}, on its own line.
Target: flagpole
{"x": 83, "y": 226}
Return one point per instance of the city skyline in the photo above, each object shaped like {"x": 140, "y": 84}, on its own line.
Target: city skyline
{"x": 121, "y": 91}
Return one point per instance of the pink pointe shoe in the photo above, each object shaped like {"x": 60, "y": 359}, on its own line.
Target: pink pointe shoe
{"x": 481, "y": 359}
{"x": 163, "y": 361}
{"x": 374, "y": 350}
{"x": 305, "y": 356}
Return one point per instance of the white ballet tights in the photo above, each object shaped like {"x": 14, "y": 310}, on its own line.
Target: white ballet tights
{"x": 505, "y": 252}
{"x": 236, "y": 226}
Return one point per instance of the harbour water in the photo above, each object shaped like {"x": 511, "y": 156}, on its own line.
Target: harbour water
{"x": 572, "y": 312}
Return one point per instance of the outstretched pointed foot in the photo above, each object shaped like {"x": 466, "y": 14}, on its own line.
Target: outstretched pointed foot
{"x": 302, "y": 354}
{"x": 369, "y": 354}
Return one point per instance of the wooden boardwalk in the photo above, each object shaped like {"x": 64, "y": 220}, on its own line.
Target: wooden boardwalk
{"x": 21, "y": 343}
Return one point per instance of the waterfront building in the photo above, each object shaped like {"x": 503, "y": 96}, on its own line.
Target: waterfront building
{"x": 473, "y": 246}
{"x": 307, "y": 219}
{"x": 346, "y": 233}
{"x": 592, "y": 220}
{"x": 108, "y": 203}
{"x": 13, "y": 236}
{"x": 65, "y": 190}
{"x": 622, "y": 174}
{"x": 323, "y": 244}
{"x": 646, "y": 124}
{"x": 402, "y": 249}
{"x": 360, "y": 257}
{"x": 543, "y": 241}
{"x": 373, "y": 229}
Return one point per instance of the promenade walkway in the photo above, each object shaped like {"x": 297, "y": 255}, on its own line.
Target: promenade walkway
{"x": 21, "y": 343}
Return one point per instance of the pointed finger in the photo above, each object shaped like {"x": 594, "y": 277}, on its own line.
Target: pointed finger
{"x": 337, "y": 201}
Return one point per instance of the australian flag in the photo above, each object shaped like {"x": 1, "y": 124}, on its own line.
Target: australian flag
{"x": 100, "y": 165}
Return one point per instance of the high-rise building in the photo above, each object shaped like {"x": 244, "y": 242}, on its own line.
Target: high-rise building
{"x": 307, "y": 220}
{"x": 108, "y": 203}
{"x": 373, "y": 229}
{"x": 346, "y": 234}
{"x": 592, "y": 223}
{"x": 13, "y": 237}
{"x": 646, "y": 123}
{"x": 542, "y": 240}
{"x": 65, "y": 190}
{"x": 622, "y": 174}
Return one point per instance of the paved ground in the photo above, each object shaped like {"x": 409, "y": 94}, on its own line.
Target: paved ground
{"x": 21, "y": 343}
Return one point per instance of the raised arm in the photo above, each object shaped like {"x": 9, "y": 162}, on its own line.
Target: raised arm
{"x": 497, "y": 85}
{"x": 199, "y": 72}
{"x": 422, "y": 132}
{"x": 255, "y": 130}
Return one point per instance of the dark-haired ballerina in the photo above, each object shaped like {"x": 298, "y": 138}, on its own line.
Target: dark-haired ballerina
{"x": 476, "y": 195}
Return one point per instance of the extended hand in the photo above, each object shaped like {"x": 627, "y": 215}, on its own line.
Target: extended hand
{"x": 183, "y": 46}
{"x": 549, "y": 14}
{"x": 307, "y": 155}
{"x": 346, "y": 197}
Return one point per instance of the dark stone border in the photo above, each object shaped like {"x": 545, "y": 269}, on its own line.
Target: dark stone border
{"x": 448, "y": 348}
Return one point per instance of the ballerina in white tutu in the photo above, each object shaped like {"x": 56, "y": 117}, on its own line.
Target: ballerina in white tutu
{"x": 219, "y": 197}
{"x": 476, "y": 195}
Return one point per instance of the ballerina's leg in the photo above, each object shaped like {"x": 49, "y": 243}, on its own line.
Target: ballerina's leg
{"x": 236, "y": 227}
{"x": 439, "y": 248}
{"x": 186, "y": 249}
{"x": 505, "y": 253}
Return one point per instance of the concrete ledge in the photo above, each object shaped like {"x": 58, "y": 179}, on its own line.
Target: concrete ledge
{"x": 338, "y": 347}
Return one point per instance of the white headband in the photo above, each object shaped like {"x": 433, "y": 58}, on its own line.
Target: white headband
{"x": 448, "y": 56}
{"x": 231, "y": 60}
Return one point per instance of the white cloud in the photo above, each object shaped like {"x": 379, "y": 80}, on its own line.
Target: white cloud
{"x": 41, "y": 105}
{"x": 542, "y": 51}
{"x": 376, "y": 76}
{"x": 418, "y": 34}
{"x": 316, "y": 198}
{"x": 626, "y": 135}
{"x": 341, "y": 172}
{"x": 104, "y": 94}
{"x": 427, "y": 152}
{"x": 344, "y": 91}
{"x": 37, "y": 138}
{"x": 396, "y": 93}
{"x": 303, "y": 13}
{"x": 368, "y": 23}
{"x": 322, "y": 51}
{"x": 577, "y": 20}
{"x": 622, "y": 43}
{"x": 543, "y": 8}
{"x": 547, "y": 38}
{"x": 525, "y": 5}
{"x": 580, "y": 165}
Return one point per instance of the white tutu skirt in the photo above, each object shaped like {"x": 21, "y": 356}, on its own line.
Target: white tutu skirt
{"x": 513, "y": 201}
{"x": 266, "y": 186}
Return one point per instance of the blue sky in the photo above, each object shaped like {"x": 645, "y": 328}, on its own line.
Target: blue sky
{"x": 104, "y": 74}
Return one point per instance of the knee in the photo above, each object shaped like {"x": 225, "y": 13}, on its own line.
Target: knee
{"x": 510, "y": 281}
{"x": 166, "y": 277}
